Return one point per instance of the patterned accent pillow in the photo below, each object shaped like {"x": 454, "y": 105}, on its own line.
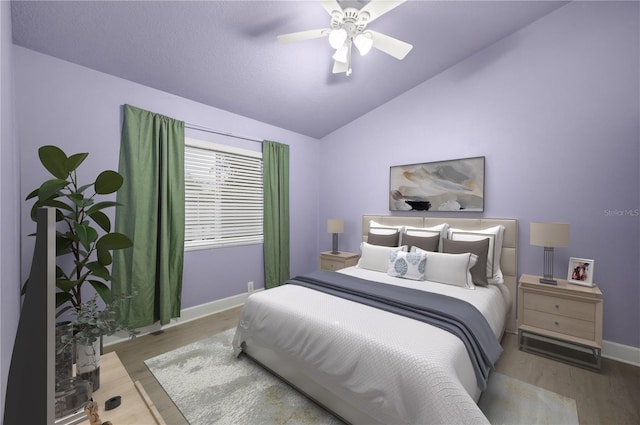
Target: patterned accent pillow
{"x": 407, "y": 265}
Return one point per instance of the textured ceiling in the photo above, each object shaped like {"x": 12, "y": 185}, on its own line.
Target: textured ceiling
{"x": 225, "y": 53}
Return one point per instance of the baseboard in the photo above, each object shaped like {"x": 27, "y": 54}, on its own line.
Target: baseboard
{"x": 186, "y": 315}
{"x": 621, "y": 353}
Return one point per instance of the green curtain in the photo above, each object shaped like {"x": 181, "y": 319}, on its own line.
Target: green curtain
{"x": 152, "y": 215}
{"x": 275, "y": 159}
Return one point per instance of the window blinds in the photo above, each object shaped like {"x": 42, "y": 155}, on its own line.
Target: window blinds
{"x": 223, "y": 196}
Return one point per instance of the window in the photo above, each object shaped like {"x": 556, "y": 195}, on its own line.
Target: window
{"x": 223, "y": 195}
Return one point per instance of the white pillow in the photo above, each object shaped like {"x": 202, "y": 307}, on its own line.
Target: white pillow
{"x": 383, "y": 229}
{"x": 440, "y": 229}
{"x": 407, "y": 265}
{"x": 495, "y": 235}
{"x": 376, "y": 257}
{"x": 452, "y": 269}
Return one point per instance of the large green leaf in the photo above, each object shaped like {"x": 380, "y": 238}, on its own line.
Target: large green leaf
{"x": 84, "y": 187}
{"x": 62, "y": 297}
{"x": 66, "y": 285}
{"x": 108, "y": 181}
{"x": 103, "y": 290}
{"x": 63, "y": 245}
{"x": 60, "y": 273}
{"x": 62, "y": 310}
{"x": 75, "y": 160}
{"x": 114, "y": 240}
{"x": 56, "y": 204}
{"x": 50, "y": 188}
{"x": 54, "y": 160}
{"x": 99, "y": 270}
{"x": 102, "y": 205}
{"x": 33, "y": 194}
{"x": 38, "y": 204}
{"x": 34, "y": 211}
{"x": 101, "y": 219}
{"x": 104, "y": 256}
{"x": 86, "y": 234}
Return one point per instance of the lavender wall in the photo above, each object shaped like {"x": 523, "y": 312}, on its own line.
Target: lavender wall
{"x": 79, "y": 110}
{"x": 554, "y": 108}
{"x": 9, "y": 208}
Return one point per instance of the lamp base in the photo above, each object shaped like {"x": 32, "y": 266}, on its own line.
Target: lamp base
{"x": 548, "y": 267}
{"x": 334, "y": 246}
{"x": 548, "y": 281}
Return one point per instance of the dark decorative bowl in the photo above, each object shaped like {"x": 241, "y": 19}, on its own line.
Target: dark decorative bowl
{"x": 419, "y": 205}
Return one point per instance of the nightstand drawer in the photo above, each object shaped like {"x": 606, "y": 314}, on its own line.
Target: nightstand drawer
{"x": 561, "y": 324}
{"x": 329, "y": 261}
{"x": 326, "y": 264}
{"x": 560, "y": 306}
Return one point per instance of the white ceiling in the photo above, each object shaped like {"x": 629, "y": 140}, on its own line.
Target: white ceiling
{"x": 225, "y": 53}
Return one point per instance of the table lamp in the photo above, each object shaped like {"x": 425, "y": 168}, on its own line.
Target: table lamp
{"x": 335, "y": 226}
{"x": 549, "y": 235}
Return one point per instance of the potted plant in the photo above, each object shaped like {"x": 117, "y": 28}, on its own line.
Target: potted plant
{"x": 84, "y": 242}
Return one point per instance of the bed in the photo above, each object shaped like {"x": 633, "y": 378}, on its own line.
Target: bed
{"x": 372, "y": 366}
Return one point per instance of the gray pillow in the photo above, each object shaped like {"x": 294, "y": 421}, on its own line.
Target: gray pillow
{"x": 479, "y": 248}
{"x": 428, "y": 243}
{"x": 383, "y": 240}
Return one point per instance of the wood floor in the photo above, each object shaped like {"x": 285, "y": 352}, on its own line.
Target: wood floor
{"x": 610, "y": 397}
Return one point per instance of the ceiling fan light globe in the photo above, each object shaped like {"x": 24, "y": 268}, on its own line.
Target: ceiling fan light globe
{"x": 337, "y": 38}
{"x": 341, "y": 54}
{"x": 363, "y": 42}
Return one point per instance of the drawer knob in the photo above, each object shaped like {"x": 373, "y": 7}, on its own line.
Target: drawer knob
{"x": 557, "y": 306}
{"x": 556, "y": 323}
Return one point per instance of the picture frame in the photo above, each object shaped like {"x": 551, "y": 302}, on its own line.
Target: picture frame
{"x": 451, "y": 185}
{"x": 580, "y": 271}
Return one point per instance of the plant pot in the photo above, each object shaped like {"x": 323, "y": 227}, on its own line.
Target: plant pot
{"x": 88, "y": 363}
{"x": 64, "y": 356}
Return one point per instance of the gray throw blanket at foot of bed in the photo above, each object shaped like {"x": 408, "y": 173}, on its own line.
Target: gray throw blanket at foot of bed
{"x": 451, "y": 314}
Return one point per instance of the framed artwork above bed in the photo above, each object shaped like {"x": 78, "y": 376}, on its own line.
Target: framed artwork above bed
{"x": 453, "y": 185}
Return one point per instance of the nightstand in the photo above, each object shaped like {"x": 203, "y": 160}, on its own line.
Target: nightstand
{"x": 329, "y": 261}
{"x": 562, "y": 321}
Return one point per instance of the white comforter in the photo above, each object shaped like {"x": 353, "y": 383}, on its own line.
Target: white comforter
{"x": 396, "y": 369}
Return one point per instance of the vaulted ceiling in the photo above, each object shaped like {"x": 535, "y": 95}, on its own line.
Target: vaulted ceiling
{"x": 225, "y": 53}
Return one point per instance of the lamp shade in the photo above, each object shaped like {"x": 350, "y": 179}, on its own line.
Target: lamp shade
{"x": 337, "y": 37}
{"x": 363, "y": 42}
{"x": 549, "y": 234}
{"x": 335, "y": 225}
{"x": 341, "y": 54}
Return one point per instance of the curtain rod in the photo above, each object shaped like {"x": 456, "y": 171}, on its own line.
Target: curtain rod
{"x": 222, "y": 133}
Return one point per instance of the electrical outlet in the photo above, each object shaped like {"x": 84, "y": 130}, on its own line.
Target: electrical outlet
{"x": 250, "y": 286}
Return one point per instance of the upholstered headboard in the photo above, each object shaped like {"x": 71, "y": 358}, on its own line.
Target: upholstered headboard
{"x": 508, "y": 259}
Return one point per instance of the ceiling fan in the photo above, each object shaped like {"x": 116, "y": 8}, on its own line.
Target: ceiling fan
{"x": 349, "y": 27}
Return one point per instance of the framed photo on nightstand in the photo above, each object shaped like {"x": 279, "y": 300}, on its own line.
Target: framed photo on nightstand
{"x": 580, "y": 271}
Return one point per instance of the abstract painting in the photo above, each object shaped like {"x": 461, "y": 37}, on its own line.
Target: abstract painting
{"x": 454, "y": 185}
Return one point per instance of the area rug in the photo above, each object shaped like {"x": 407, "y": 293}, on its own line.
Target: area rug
{"x": 211, "y": 386}
{"x": 510, "y": 401}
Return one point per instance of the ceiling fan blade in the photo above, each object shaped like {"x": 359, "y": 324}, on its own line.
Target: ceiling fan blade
{"x": 339, "y": 67}
{"x": 303, "y": 35}
{"x": 391, "y": 46}
{"x": 377, "y": 8}
{"x": 330, "y": 6}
